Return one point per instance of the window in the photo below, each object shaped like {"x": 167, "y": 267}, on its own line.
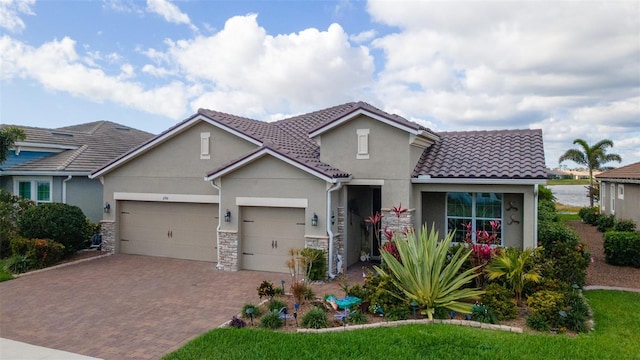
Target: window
{"x": 613, "y": 199}
{"x": 603, "y": 195}
{"x": 204, "y": 146}
{"x": 620, "y": 191}
{"x": 38, "y": 190}
{"x": 363, "y": 144}
{"x": 469, "y": 213}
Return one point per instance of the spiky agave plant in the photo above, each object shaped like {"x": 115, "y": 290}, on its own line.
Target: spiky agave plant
{"x": 426, "y": 276}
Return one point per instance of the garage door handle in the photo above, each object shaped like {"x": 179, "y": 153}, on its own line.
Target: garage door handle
{"x": 272, "y": 244}
{"x": 276, "y": 244}
{"x": 244, "y": 253}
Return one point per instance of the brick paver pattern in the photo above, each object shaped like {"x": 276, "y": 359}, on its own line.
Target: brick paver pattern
{"x": 124, "y": 306}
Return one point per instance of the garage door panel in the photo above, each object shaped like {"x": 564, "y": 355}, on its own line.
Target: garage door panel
{"x": 267, "y": 236}
{"x": 177, "y": 230}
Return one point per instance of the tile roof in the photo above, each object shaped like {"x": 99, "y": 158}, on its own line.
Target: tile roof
{"x": 93, "y": 144}
{"x": 500, "y": 154}
{"x": 631, "y": 171}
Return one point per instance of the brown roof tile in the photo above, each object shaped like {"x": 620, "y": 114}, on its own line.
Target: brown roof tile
{"x": 500, "y": 154}
{"x": 631, "y": 171}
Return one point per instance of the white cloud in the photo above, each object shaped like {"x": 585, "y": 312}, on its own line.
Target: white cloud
{"x": 363, "y": 36}
{"x": 58, "y": 67}
{"x": 253, "y": 73}
{"x": 10, "y": 12}
{"x": 169, "y": 12}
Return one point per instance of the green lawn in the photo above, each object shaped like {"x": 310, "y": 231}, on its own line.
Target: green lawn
{"x": 4, "y": 276}
{"x": 567, "y": 182}
{"x": 617, "y": 336}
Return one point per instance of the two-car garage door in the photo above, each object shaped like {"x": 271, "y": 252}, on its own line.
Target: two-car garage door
{"x": 177, "y": 230}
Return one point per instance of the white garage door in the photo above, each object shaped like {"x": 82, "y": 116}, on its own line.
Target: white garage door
{"x": 267, "y": 236}
{"x": 176, "y": 230}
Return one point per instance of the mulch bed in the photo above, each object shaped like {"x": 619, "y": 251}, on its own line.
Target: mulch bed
{"x": 599, "y": 272}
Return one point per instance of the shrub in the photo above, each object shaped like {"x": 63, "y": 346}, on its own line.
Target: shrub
{"x": 400, "y": 312}
{"x": 62, "y": 223}
{"x": 40, "y": 252}
{"x": 605, "y": 222}
{"x": 266, "y": 290}
{"x": 483, "y": 314}
{"x": 501, "y": 301}
{"x": 577, "y": 312}
{"x": 11, "y": 208}
{"x": 544, "y": 193}
{"x": 317, "y": 267}
{"x": 547, "y": 305}
{"x": 622, "y": 248}
{"x": 516, "y": 267}
{"x": 315, "y": 318}
{"x": 271, "y": 320}
{"x": 547, "y": 211}
{"x": 357, "y": 291}
{"x": 17, "y": 264}
{"x": 381, "y": 293}
{"x": 624, "y": 225}
{"x": 565, "y": 257}
{"x": 275, "y": 305}
{"x": 257, "y": 312}
{"x": 589, "y": 215}
{"x": 550, "y": 233}
{"x": 538, "y": 322}
{"x": 356, "y": 317}
{"x": 237, "y": 323}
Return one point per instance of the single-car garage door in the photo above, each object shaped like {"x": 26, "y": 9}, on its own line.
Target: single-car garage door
{"x": 267, "y": 236}
{"x": 176, "y": 230}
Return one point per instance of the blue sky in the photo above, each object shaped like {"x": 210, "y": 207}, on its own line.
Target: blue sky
{"x": 571, "y": 69}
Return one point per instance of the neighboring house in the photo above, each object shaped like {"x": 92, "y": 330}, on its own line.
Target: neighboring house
{"x": 52, "y": 165}
{"x": 620, "y": 192}
{"x": 242, "y": 192}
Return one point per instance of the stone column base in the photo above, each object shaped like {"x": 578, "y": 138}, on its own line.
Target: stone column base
{"x": 108, "y": 230}
{"x": 228, "y": 250}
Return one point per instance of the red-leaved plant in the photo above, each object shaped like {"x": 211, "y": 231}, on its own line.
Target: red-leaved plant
{"x": 482, "y": 251}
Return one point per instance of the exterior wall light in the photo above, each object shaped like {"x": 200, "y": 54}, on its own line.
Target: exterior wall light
{"x": 314, "y": 220}
{"x": 227, "y": 216}
{"x": 107, "y": 208}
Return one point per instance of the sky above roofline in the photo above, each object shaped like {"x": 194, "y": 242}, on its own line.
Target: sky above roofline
{"x": 571, "y": 69}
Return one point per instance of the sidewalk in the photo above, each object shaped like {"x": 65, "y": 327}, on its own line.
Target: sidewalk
{"x": 15, "y": 350}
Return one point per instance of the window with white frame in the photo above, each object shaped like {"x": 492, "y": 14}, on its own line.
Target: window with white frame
{"x": 205, "y": 147}
{"x": 620, "y": 191}
{"x": 36, "y": 189}
{"x": 363, "y": 144}
{"x": 612, "y": 195}
{"x": 603, "y": 194}
{"x": 470, "y": 215}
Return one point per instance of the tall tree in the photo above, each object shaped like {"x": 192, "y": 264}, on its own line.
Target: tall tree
{"x": 593, "y": 157}
{"x": 8, "y": 137}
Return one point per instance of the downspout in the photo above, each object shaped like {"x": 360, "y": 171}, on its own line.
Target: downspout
{"x": 535, "y": 217}
{"x": 329, "y": 232}
{"x": 218, "y": 265}
{"x": 64, "y": 189}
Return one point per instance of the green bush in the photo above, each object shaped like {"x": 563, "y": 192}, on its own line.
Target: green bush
{"x": 318, "y": 269}
{"x": 257, "y": 312}
{"x": 538, "y": 322}
{"x": 11, "y": 208}
{"x": 381, "y": 293}
{"x": 622, "y": 248}
{"x": 577, "y": 312}
{"x": 501, "y": 301}
{"x": 544, "y": 193}
{"x": 550, "y": 233}
{"x": 62, "y": 223}
{"x": 547, "y": 305}
{"x": 589, "y": 215}
{"x": 547, "y": 211}
{"x": 17, "y": 264}
{"x": 315, "y": 318}
{"x": 40, "y": 252}
{"x": 275, "y": 305}
{"x": 565, "y": 257}
{"x": 624, "y": 225}
{"x": 483, "y": 314}
{"x": 605, "y": 222}
{"x": 271, "y": 320}
{"x": 399, "y": 312}
{"x": 356, "y": 317}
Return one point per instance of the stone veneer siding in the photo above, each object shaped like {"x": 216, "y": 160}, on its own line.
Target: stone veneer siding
{"x": 108, "y": 230}
{"x": 338, "y": 242}
{"x": 228, "y": 246}
{"x": 321, "y": 243}
{"x": 396, "y": 224}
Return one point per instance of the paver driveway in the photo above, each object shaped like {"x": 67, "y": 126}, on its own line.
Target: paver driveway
{"x": 124, "y": 306}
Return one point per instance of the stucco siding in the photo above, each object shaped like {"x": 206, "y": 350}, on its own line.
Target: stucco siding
{"x": 626, "y": 208}
{"x": 388, "y": 147}
{"x": 87, "y": 195}
{"x": 272, "y": 178}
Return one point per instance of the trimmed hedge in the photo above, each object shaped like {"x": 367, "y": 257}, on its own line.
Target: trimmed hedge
{"x": 62, "y": 223}
{"x": 589, "y": 215}
{"x": 622, "y": 248}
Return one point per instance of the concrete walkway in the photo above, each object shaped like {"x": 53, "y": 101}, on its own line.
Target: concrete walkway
{"x": 15, "y": 350}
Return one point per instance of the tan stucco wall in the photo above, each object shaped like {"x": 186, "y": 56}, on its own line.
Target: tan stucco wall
{"x": 518, "y": 235}
{"x": 175, "y": 167}
{"x": 627, "y": 208}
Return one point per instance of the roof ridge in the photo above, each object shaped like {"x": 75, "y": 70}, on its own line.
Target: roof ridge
{"x": 74, "y": 155}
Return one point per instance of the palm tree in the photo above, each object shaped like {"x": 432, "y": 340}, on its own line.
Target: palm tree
{"x": 514, "y": 266}
{"x": 8, "y": 137}
{"x": 593, "y": 157}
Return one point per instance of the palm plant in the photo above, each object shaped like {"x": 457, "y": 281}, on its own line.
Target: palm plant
{"x": 513, "y": 265}
{"x": 426, "y": 276}
{"x": 593, "y": 157}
